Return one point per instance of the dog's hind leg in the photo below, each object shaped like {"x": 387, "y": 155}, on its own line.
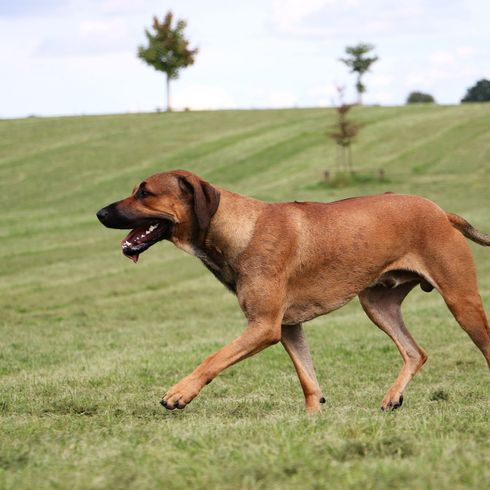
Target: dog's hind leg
{"x": 469, "y": 313}
{"x": 383, "y": 306}
{"x": 294, "y": 341}
{"x": 457, "y": 283}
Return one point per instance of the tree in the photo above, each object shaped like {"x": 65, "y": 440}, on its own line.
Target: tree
{"x": 168, "y": 49}
{"x": 420, "y": 98}
{"x": 344, "y": 133}
{"x": 480, "y": 92}
{"x": 359, "y": 63}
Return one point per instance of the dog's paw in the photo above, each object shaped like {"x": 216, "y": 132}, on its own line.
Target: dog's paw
{"x": 181, "y": 394}
{"x": 313, "y": 403}
{"x": 391, "y": 401}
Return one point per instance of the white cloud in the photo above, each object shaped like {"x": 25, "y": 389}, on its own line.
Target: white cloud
{"x": 442, "y": 58}
{"x": 90, "y": 38}
{"x": 202, "y": 97}
{"x": 121, "y": 6}
{"x": 113, "y": 28}
{"x": 349, "y": 18}
{"x": 287, "y": 14}
{"x": 382, "y": 97}
{"x": 281, "y": 98}
{"x": 444, "y": 65}
{"x": 325, "y": 95}
{"x": 465, "y": 52}
{"x": 380, "y": 80}
{"x": 418, "y": 79}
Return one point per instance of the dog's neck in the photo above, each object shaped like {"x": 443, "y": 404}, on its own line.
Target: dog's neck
{"x": 233, "y": 224}
{"x": 228, "y": 234}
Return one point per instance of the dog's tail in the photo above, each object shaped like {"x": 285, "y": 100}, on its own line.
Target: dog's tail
{"x": 468, "y": 231}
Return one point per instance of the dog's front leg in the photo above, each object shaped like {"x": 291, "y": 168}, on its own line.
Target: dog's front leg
{"x": 258, "y": 335}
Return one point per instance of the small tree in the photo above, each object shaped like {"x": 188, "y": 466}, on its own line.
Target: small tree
{"x": 359, "y": 63}
{"x": 344, "y": 133}
{"x": 480, "y": 92}
{"x": 168, "y": 50}
{"x": 420, "y": 98}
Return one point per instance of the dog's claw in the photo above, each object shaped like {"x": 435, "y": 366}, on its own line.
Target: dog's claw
{"x": 170, "y": 406}
{"x": 392, "y": 405}
{"x": 399, "y": 403}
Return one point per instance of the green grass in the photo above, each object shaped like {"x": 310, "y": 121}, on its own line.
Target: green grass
{"x": 89, "y": 342}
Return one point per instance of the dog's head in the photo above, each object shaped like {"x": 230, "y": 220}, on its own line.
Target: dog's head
{"x": 157, "y": 205}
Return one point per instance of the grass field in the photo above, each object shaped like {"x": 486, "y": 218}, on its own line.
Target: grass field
{"x": 89, "y": 342}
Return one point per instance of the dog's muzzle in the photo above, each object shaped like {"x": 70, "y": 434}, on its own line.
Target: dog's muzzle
{"x": 112, "y": 217}
{"x": 146, "y": 231}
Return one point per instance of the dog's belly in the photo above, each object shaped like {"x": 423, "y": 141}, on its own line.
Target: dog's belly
{"x": 304, "y": 311}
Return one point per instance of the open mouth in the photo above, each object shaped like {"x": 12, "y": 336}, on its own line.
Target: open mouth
{"x": 143, "y": 237}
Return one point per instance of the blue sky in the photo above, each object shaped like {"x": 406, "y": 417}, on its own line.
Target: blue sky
{"x": 79, "y": 56}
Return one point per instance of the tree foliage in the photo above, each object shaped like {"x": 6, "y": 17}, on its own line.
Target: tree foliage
{"x": 167, "y": 50}
{"x": 359, "y": 63}
{"x": 480, "y": 92}
{"x": 420, "y": 98}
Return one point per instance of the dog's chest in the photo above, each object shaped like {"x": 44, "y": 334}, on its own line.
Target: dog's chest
{"x": 219, "y": 267}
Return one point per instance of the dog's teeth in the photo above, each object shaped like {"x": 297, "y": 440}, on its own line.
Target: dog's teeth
{"x": 149, "y": 230}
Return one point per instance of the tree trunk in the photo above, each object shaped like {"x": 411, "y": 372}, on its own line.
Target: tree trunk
{"x": 359, "y": 93}
{"x": 343, "y": 163}
{"x": 168, "y": 94}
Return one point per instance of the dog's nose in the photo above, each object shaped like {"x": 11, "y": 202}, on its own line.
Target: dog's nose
{"x": 102, "y": 214}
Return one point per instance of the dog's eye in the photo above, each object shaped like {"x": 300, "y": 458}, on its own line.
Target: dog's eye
{"x": 142, "y": 193}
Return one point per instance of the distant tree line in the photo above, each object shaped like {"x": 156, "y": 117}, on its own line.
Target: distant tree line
{"x": 480, "y": 92}
{"x": 420, "y": 98}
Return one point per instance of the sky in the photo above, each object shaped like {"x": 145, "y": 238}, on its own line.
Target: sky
{"x": 61, "y": 57}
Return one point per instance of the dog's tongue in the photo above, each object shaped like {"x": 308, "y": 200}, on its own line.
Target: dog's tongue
{"x": 137, "y": 241}
{"x": 134, "y": 258}
{"x": 126, "y": 248}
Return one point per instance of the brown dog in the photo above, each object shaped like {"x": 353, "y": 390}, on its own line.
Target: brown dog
{"x": 290, "y": 262}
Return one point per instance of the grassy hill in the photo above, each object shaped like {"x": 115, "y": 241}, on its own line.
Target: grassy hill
{"x": 89, "y": 342}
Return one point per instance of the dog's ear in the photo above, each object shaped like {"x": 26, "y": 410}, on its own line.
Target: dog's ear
{"x": 205, "y": 198}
